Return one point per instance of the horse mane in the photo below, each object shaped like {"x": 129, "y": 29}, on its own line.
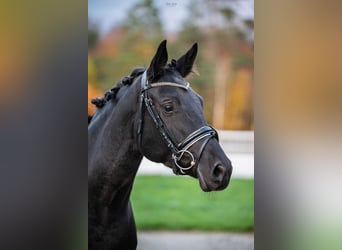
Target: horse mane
{"x": 111, "y": 94}
{"x": 127, "y": 80}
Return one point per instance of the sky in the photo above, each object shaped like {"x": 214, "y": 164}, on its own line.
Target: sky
{"x": 108, "y": 13}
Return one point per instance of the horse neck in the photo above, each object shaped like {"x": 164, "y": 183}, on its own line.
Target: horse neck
{"x": 113, "y": 155}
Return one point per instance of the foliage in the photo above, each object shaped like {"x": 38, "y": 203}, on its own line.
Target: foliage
{"x": 91, "y": 70}
{"x": 92, "y": 91}
{"x": 178, "y": 203}
{"x": 93, "y": 35}
{"x": 228, "y": 13}
{"x": 239, "y": 101}
{"x": 243, "y": 61}
{"x": 144, "y": 16}
{"x": 133, "y": 43}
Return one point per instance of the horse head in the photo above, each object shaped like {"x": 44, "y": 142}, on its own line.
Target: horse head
{"x": 172, "y": 129}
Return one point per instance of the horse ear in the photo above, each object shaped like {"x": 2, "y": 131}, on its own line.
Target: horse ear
{"x": 185, "y": 62}
{"x": 158, "y": 62}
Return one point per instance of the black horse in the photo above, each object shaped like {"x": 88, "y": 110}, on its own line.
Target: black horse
{"x": 153, "y": 113}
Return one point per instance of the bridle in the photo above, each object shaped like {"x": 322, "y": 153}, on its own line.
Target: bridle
{"x": 181, "y": 149}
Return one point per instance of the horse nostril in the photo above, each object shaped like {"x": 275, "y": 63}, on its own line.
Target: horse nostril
{"x": 219, "y": 172}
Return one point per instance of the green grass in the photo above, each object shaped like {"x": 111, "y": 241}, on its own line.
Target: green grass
{"x": 178, "y": 203}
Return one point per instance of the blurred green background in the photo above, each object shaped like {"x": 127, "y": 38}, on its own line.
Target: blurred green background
{"x": 174, "y": 203}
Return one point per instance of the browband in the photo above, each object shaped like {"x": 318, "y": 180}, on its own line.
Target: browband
{"x": 145, "y": 85}
{"x": 171, "y": 84}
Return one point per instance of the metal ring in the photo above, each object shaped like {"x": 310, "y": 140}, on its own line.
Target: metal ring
{"x": 176, "y": 159}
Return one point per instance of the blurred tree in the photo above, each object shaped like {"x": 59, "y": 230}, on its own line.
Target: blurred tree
{"x": 224, "y": 50}
{"x": 143, "y": 18}
{"x": 92, "y": 90}
{"x": 93, "y": 35}
{"x": 242, "y": 28}
{"x": 91, "y": 71}
{"x": 131, "y": 44}
{"x": 239, "y": 105}
{"x": 228, "y": 13}
{"x": 191, "y": 29}
{"x": 224, "y": 62}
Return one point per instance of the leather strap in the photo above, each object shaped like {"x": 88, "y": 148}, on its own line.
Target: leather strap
{"x": 178, "y": 150}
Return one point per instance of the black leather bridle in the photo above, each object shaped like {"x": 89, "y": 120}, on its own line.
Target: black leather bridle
{"x": 181, "y": 149}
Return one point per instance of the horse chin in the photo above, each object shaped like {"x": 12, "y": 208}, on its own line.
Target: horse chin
{"x": 206, "y": 185}
{"x": 203, "y": 184}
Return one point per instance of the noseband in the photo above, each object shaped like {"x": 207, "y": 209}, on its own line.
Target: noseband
{"x": 178, "y": 150}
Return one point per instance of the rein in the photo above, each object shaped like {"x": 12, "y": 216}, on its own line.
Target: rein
{"x": 178, "y": 150}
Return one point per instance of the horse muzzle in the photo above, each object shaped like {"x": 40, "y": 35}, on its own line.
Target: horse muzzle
{"x": 215, "y": 170}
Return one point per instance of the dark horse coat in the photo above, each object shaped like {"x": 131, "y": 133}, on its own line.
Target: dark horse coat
{"x": 150, "y": 113}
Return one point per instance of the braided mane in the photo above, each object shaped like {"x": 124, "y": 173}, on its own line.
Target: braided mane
{"x": 111, "y": 94}
{"x": 127, "y": 80}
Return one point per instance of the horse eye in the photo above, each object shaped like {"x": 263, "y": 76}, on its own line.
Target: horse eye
{"x": 168, "y": 108}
